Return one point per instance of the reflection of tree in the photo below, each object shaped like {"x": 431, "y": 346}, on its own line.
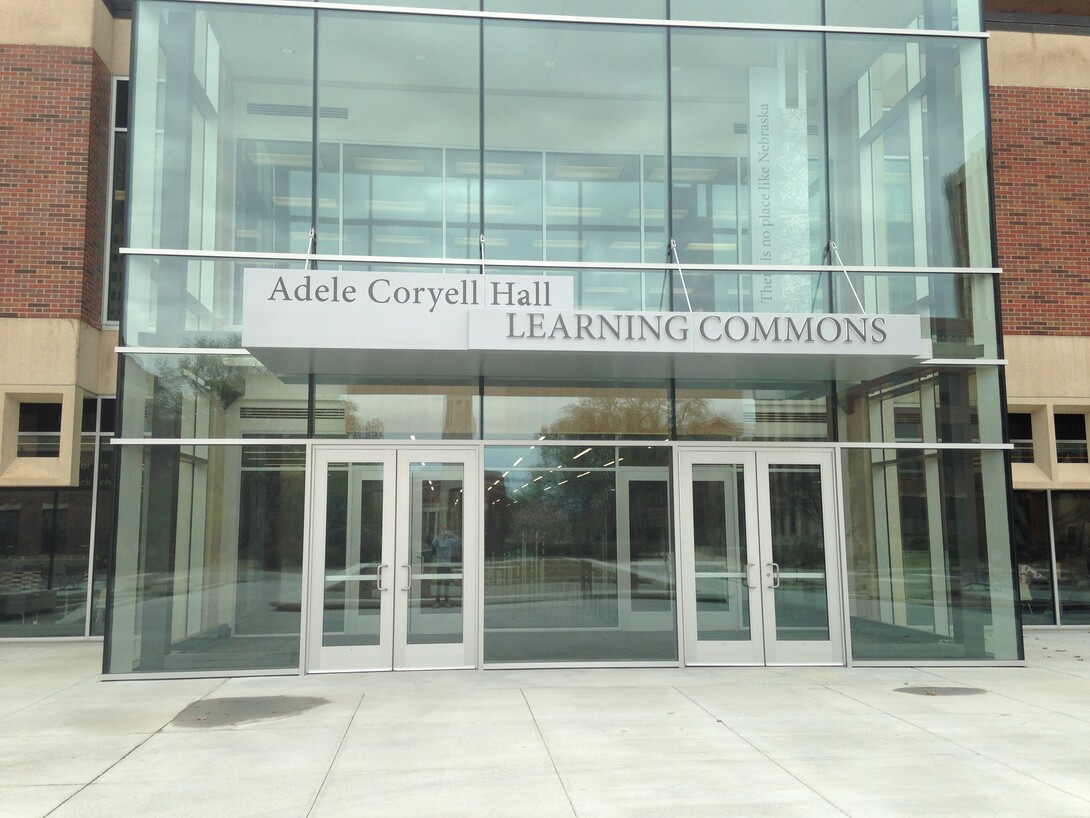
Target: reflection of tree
{"x": 539, "y": 522}
{"x": 211, "y": 377}
{"x": 614, "y": 416}
{"x": 370, "y": 429}
{"x": 798, "y": 514}
{"x": 611, "y": 416}
{"x": 695, "y": 418}
{"x": 577, "y": 519}
{"x": 562, "y": 515}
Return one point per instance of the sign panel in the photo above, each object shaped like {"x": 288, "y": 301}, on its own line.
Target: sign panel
{"x": 337, "y": 310}
{"x": 473, "y": 322}
{"x": 779, "y": 186}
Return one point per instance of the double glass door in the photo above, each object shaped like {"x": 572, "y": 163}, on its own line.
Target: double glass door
{"x": 393, "y": 565}
{"x": 760, "y": 580}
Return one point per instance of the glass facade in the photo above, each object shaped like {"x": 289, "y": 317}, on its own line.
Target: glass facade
{"x": 925, "y": 577}
{"x": 656, "y": 159}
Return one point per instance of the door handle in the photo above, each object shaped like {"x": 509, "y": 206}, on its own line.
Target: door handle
{"x": 775, "y": 575}
{"x": 378, "y": 579}
{"x": 748, "y": 566}
{"x": 409, "y": 577}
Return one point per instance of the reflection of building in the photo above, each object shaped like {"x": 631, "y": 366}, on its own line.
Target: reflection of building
{"x": 785, "y": 490}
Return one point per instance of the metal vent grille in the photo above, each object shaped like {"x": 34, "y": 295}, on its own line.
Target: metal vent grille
{"x": 274, "y": 458}
{"x": 289, "y": 413}
{"x": 788, "y": 417}
{"x": 280, "y": 109}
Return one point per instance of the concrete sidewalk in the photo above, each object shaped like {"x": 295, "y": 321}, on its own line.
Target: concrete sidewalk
{"x": 653, "y": 742}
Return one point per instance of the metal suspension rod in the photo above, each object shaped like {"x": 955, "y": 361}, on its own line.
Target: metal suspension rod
{"x": 836, "y": 254}
{"x": 677, "y": 263}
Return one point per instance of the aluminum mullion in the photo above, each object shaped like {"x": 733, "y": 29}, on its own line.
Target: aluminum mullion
{"x": 1056, "y": 608}
{"x": 92, "y": 524}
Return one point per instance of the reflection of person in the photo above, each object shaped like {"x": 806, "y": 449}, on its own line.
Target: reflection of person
{"x": 1026, "y": 573}
{"x": 444, "y": 547}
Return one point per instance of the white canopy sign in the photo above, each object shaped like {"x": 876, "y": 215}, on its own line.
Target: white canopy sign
{"x": 475, "y": 322}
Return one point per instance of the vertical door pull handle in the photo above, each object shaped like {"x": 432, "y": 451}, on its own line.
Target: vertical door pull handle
{"x": 775, "y": 575}
{"x": 378, "y": 579}
{"x": 409, "y": 578}
{"x": 748, "y": 566}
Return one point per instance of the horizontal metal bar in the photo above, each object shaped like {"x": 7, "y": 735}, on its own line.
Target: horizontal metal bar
{"x": 328, "y": 5}
{"x": 211, "y": 441}
{"x": 351, "y": 577}
{"x": 916, "y": 446}
{"x": 237, "y": 351}
{"x": 964, "y": 362}
{"x": 451, "y": 576}
{"x": 485, "y": 264}
{"x": 724, "y": 445}
{"x": 134, "y": 675}
{"x": 956, "y": 663}
{"x": 720, "y": 575}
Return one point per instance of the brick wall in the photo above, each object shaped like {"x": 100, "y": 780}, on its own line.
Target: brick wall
{"x": 1041, "y": 149}
{"x": 54, "y": 143}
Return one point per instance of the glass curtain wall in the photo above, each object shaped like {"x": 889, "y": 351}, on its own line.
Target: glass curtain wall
{"x": 560, "y": 187}
{"x": 406, "y": 143}
{"x": 748, "y": 167}
{"x": 398, "y": 153}
{"x": 209, "y": 565}
{"x": 929, "y": 565}
{"x": 579, "y": 555}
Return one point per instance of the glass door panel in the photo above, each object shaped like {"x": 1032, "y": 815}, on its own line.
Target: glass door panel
{"x": 353, "y": 581}
{"x": 802, "y": 602}
{"x": 720, "y": 562}
{"x": 350, "y": 625}
{"x": 798, "y": 551}
{"x": 435, "y": 553}
{"x": 437, "y": 547}
{"x": 722, "y": 556}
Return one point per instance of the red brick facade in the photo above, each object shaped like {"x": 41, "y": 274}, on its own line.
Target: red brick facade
{"x": 54, "y": 143}
{"x": 1041, "y": 149}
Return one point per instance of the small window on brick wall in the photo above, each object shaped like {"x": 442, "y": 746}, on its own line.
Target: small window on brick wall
{"x": 1070, "y": 438}
{"x": 1020, "y": 425}
{"x": 39, "y": 430}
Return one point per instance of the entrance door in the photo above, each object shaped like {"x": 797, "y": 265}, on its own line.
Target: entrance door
{"x": 393, "y": 559}
{"x": 759, "y": 558}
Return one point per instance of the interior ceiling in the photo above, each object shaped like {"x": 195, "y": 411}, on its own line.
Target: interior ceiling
{"x": 1080, "y": 8}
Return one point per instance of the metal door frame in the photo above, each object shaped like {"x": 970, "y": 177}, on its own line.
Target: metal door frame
{"x": 763, "y": 648}
{"x": 393, "y": 651}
